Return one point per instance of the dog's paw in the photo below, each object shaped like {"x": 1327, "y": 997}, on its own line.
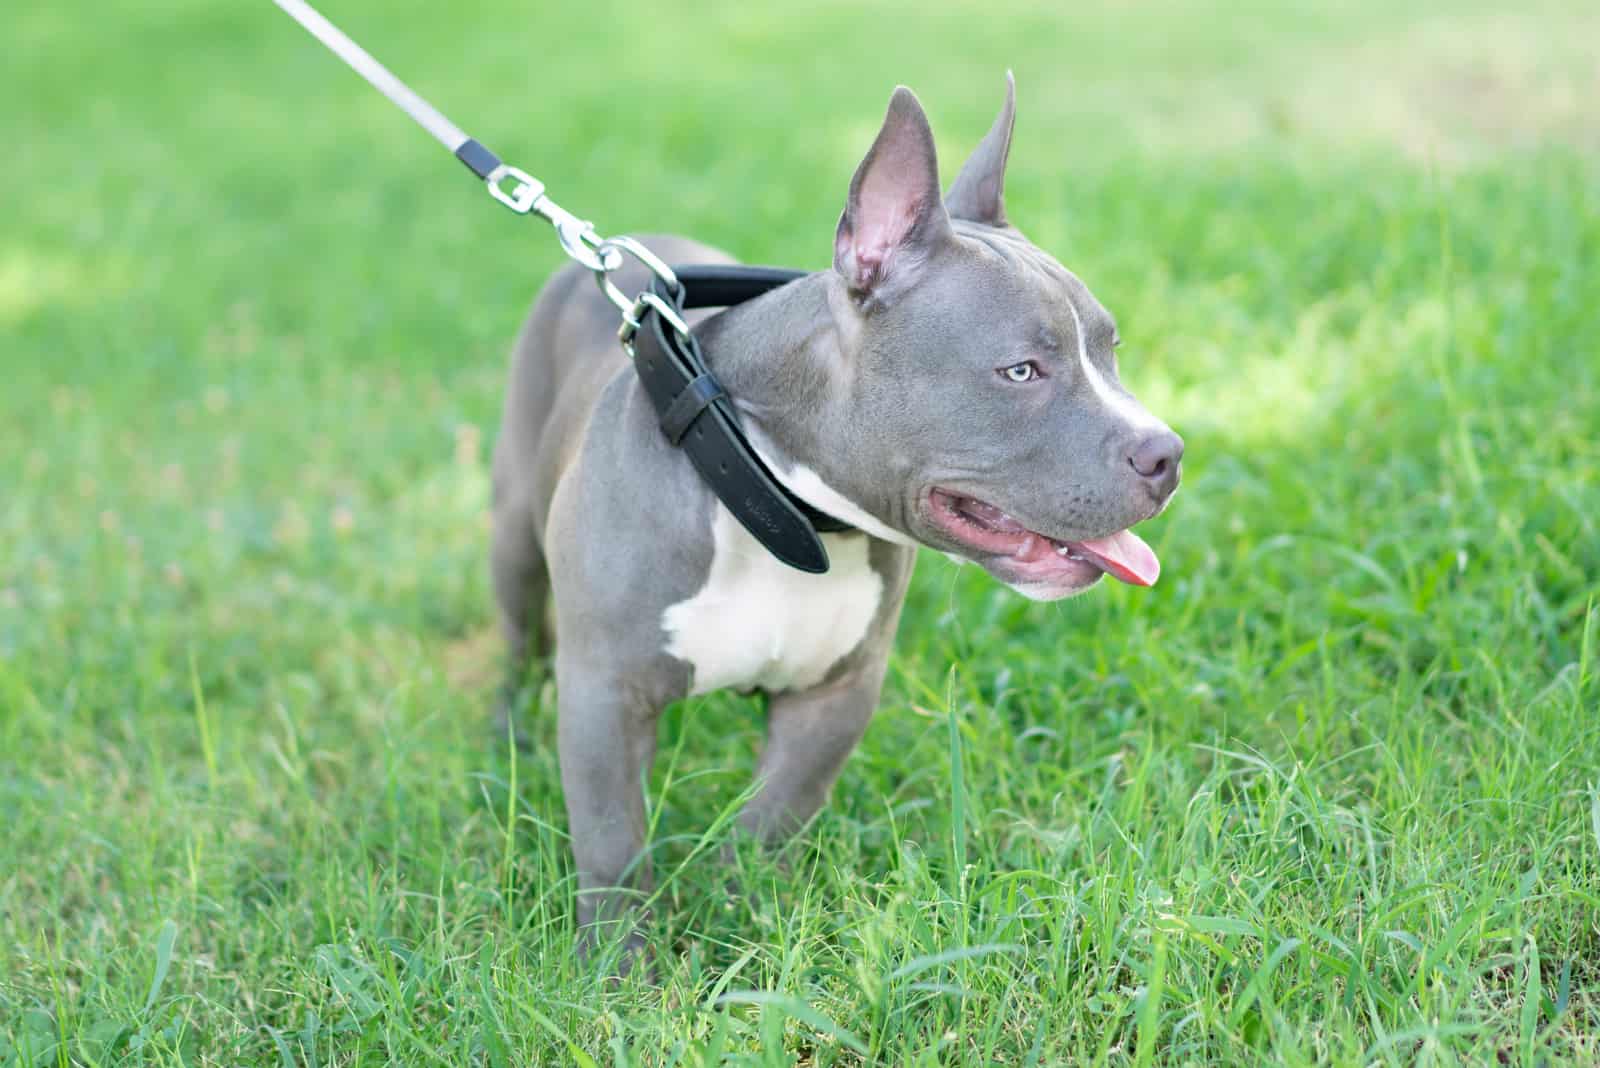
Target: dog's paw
{"x": 629, "y": 960}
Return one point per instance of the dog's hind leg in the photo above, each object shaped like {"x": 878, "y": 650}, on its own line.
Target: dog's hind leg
{"x": 522, "y": 594}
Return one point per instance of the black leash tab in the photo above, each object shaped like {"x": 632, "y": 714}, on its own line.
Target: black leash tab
{"x": 479, "y": 160}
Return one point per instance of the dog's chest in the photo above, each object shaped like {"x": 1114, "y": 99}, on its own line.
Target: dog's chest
{"x": 757, "y": 623}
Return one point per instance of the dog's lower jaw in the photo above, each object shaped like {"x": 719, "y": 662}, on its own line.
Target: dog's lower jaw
{"x": 1044, "y": 592}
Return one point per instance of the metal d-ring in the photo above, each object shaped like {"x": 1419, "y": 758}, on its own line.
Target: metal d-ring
{"x": 633, "y": 317}
{"x": 638, "y": 251}
{"x": 611, "y": 249}
{"x": 613, "y": 294}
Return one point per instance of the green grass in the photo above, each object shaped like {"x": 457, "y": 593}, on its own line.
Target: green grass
{"x": 1330, "y": 793}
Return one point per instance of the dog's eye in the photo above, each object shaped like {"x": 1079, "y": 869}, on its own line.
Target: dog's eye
{"x": 1025, "y": 371}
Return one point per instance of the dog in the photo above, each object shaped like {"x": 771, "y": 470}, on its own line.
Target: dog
{"x": 945, "y": 384}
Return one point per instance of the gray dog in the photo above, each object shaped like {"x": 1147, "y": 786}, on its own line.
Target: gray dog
{"x": 945, "y": 384}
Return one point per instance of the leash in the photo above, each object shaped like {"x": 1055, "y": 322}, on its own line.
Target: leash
{"x": 694, "y": 411}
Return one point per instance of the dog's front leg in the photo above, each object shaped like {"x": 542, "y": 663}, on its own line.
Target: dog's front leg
{"x": 809, "y": 735}
{"x": 607, "y": 740}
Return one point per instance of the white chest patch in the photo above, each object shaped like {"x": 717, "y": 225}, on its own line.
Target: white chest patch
{"x": 760, "y": 623}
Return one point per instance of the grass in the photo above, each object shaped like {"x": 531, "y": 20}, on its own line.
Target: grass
{"x": 1330, "y": 793}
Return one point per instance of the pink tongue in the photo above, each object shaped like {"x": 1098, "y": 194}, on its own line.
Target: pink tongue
{"x": 1124, "y": 556}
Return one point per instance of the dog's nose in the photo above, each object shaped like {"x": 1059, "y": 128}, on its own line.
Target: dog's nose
{"x": 1157, "y": 460}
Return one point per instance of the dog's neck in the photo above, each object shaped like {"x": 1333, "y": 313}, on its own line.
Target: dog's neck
{"x": 776, "y": 354}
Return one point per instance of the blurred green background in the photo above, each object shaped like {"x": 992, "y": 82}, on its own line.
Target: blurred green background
{"x": 1326, "y": 794}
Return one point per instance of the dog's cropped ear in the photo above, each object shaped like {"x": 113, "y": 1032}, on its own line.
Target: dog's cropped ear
{"x": 895, "y": 216}
{"x": 977, "y": 194}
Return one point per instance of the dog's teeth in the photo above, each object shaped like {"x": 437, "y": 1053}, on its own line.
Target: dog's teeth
{"x": 1063, "y": 550}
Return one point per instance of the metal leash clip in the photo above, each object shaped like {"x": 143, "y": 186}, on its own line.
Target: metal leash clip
{"x": 786, "y": 525}
{"x": 526, "y": 196}
{"x": 511, "y": 186}
{"x": 583, "y": 243}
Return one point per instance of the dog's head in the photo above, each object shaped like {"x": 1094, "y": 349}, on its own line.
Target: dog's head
{"x": 980, "y": 404}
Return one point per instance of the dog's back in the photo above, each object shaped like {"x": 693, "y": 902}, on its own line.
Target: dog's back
{"x": 564, "y": 356}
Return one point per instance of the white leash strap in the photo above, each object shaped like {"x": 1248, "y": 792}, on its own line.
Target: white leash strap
{"x": 511, "y": 186}
{"x": 673, "y": 372}
{"x": 427, "y": 116}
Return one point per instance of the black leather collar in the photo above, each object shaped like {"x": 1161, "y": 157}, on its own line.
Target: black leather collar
{"x": 698, "y": 416}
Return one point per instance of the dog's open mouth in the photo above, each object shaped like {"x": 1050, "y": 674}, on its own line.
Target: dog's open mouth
{"x": 1027, "y": 557}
